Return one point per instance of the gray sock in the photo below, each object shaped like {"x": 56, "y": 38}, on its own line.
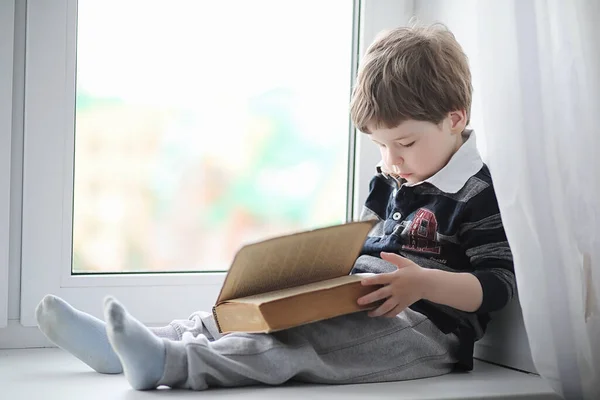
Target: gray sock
{"x": 141, "y": 352}
{"x": 167, "y": 332}
{"x": 80, "y": 334}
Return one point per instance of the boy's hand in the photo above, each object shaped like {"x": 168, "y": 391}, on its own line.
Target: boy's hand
{"x": 401, "y": 288}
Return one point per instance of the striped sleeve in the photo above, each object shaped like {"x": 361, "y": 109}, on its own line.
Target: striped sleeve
{"x": 484, "y": 241}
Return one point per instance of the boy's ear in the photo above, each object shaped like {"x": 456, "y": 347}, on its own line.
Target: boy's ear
{"x": 458, "y": 121}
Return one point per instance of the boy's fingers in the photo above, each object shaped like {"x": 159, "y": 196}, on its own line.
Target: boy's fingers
{"x": 397, "y": 310}
{"x": 379, "y": 279}
{"x": 383, "y": 309}
{"x": 396, "y": 259}
{"x": 372, "y": 297}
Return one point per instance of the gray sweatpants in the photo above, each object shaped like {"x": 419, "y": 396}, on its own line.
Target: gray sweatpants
{"x": 353, "y": 348}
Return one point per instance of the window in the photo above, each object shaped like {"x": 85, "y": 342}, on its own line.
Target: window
{"x": 127, "y": 124}
{"x": 7, "y": 13}
{"x": 202, "y": 129}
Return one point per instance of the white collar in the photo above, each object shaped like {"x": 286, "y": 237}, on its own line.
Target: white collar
{"x": 465, "y": 163}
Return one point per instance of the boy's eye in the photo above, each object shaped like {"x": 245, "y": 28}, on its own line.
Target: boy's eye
{"x": 408, "y": 144}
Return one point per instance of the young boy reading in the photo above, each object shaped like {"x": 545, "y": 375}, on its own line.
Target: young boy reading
{"x": 439, "y": 251}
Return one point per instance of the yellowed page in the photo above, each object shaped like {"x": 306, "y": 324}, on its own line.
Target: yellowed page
{"x": 311, "y": 287}
{"x": 295, "y": 260}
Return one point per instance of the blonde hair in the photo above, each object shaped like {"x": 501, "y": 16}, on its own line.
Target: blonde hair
{"x": 418, "y": 72}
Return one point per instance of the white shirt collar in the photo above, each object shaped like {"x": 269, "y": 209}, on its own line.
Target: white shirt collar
{"x": 465, "y": 163}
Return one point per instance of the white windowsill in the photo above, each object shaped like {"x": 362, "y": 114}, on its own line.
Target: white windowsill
{"x": 54, "y": 374}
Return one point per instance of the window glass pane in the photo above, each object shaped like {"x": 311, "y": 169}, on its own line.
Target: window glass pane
{"x": 203, "y": 125}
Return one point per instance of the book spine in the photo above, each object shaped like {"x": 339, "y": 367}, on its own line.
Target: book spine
{"x": 214, "y": 312}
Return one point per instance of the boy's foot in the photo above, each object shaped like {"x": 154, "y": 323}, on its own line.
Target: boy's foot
{"x": 80, "y": 334}
{"x": 141, "y": 352}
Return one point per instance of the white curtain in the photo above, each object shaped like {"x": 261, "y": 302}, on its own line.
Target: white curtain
{"x": 538, "y": 68}
{"x": 536, "y": 111}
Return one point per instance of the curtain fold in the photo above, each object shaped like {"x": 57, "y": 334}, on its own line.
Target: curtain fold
{"x": 539, "y": 68}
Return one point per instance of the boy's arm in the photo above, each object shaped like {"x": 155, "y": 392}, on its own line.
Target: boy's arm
{"x": 489, "y": 287}
{"x": 411, "y": 283}
{"x": 492, "y": 284}
{"x": 484, "y": 241}
{"x": 461, "y": 290}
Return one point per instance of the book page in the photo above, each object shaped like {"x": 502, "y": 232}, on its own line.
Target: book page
{"x": 295, "y": 260}
{"x": 293, "y": 291}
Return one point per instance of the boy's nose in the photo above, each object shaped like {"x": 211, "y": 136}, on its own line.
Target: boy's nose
{"x": 394, "y": 159}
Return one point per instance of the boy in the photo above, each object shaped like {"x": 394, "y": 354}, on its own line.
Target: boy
{"x": 439, "y": 249}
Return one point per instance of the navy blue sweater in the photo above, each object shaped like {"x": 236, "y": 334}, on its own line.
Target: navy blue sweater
{"x": 449, "y": 222}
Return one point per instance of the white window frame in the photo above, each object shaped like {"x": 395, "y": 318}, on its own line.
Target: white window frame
{"x": 376, "y": 16}
{"x": 7, "y": 19}
{"x": 48, "y": 178}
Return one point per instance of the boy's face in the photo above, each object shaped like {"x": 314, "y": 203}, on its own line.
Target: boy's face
{"x": 416, "y": 150}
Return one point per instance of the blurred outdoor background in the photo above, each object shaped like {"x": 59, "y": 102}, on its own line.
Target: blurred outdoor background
{"x": 205, "y": 125}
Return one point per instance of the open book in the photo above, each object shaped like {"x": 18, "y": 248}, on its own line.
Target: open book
{"x": 293, "y": 280}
